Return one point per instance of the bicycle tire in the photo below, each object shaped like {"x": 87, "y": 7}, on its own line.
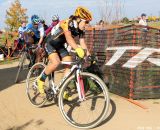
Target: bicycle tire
{"x": 67, "y": 115}
{"x": 28, "y": 83}
{"x": 20, "y": 65}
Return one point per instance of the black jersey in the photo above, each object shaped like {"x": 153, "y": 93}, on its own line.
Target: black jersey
{"x": 57, "y": 32}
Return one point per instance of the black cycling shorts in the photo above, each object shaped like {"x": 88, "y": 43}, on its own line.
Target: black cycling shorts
{"x": 53, "y": 46}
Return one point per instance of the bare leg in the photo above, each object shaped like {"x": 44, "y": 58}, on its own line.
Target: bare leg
{"x": 39, "y": 55}
{"x": 55, "y": 61}
{"x": 67, "y": 67}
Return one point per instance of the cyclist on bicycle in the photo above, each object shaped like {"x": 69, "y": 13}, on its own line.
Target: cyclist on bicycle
{"x": 21, "y": 30}
{"x": 64, "y": 32}
{"x": 44, "y": 24}
{"x": 37, "y": 30}
{"x": 20, "y": 41}
{"x": 55, "y": 21}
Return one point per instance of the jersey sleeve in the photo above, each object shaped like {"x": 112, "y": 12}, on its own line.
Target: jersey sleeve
{"x": 28, "y": 27}
{"x": 64, "y": 25}
{"x": 20, "y": 30}
{"x": 41, "y": 30}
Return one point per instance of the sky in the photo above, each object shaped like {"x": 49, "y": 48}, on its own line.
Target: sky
{"x": 64, "y": 8}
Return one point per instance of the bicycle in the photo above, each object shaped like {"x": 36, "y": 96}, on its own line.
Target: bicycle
{"x": 85, "y": 88}
{"x": 26, "y": 53}
{"x": 29, "y": 52}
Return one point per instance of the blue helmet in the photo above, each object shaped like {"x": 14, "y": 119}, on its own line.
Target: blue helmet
{"x": 35, "y": 19}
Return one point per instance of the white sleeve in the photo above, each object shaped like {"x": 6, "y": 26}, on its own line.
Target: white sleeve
{"x": 141, "y": 22}
{"x": 19, "y": 30}
{"x": 41, "y": 30}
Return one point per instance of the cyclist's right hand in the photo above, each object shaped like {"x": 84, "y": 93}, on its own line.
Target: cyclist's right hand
{"x": 93, "y": 59}
{"x": 80, "y": 52}
{"x": 29, "y": 31}
{"x": 38, "y": 48}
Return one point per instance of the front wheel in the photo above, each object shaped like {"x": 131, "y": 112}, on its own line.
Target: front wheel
{"x": 90, "y": 112}
{"x": 33, "y": 94}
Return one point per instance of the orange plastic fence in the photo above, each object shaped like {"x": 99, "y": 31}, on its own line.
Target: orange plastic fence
{"x": 127, "y": 81}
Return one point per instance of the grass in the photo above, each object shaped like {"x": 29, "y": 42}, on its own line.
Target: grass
{"x": 154, "y": 24}
{"x": 151, "y": 24}
{"x": 8, "y": 61}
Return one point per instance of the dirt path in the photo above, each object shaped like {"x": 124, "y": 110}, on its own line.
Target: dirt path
{"x": 16, "y": 113}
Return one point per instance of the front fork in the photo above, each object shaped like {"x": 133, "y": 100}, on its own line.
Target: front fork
{"x": 80, "y": 86}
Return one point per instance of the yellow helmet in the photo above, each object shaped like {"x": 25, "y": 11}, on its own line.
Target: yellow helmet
{"x": 83, "y": 13}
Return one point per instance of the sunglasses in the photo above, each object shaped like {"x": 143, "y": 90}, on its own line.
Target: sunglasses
{"x": 86, "y": 22}
{"x": 35, "y": 24}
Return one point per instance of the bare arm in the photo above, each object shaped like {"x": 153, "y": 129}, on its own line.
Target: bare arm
{"x": 40, "y": 41}
{"x": 83, "y": 45}
{"x": 41, "y": 30}
{"x": 70, "y": 40}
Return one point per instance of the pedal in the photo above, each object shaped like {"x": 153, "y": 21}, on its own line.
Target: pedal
{"x": 49, "y": 94}
{"x": 25, "y": 67}
{"x": 35, "y": 86}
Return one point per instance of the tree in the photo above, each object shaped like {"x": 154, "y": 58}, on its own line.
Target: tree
{"x": 106, "y": 11}
{"x": 154, "y": 18}
{"x": 149, "y": 18}
{"x": 111, "y": 10}
{"x": 15, "y": 15}
{"x": 125, "y": 20}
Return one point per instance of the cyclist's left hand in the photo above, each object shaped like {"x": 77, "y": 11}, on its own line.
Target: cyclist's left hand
{"x": 80, "y": 52}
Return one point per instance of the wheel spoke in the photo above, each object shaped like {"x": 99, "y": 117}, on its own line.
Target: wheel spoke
{"x": 33, "y": 94}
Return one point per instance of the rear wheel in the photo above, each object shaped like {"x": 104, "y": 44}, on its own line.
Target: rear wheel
{"x": 20, "y": 66}
{"x": 90, "y": 112}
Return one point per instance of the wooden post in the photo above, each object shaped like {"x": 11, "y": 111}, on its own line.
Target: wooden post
{"x": 131, "y": 83}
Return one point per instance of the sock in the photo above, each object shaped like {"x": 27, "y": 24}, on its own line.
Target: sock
{"x": 43, "y": 77}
